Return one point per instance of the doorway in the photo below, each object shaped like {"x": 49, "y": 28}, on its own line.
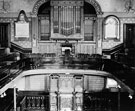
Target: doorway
{"x": 129, "y": 43}
{"x": 130, "y": 36}
{"x": 4, "y": 35}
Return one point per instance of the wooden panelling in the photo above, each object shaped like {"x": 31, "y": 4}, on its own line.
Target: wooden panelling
{"x": 53, "y": 83}
{"x": 66, "y": 84}
{"x": 37, "y": 83}
{"x": 85, "y": 48}
{"x": 94, "y": 83}
{"x": 47, "y": 48}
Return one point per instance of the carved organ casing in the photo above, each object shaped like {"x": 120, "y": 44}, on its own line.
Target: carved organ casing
{"x": 66, "y": 17}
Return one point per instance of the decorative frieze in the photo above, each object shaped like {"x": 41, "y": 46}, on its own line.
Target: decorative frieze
{"x": 37, "y": 5}
{"x": 7, "y": 20}
{"x": 67, "y": 3}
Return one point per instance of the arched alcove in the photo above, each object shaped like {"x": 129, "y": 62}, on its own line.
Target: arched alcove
{"x": 94, "y": 3}
{"x": 44, "y": 8}
{"x": 89, "y": 9}
{"x": 37, "y": 6}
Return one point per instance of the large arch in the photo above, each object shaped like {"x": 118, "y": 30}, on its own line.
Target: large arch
{"x": 94, "y": 3}
{"x": 37, "y": 5}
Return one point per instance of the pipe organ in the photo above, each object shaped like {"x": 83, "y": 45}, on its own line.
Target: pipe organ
{"x": 67, "y": 21}
{"x": 67, "y": 17}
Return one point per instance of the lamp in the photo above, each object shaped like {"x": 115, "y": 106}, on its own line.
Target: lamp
{"x": 3, "y": 95}
{"x": 130, "y": 96}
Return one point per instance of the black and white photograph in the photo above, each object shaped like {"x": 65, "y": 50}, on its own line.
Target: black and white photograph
{"x": 67, "y": 55}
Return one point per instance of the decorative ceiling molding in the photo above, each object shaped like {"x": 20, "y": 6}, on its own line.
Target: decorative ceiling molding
{"x": 129, "y": 6}
{"x": 96, "y": 5}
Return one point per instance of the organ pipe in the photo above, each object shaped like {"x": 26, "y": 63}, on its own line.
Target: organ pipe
{"x": 67, "y": 20}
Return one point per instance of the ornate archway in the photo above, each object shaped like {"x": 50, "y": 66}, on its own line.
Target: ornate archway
{"x": 94, "y": 3}
{"x": 37, "y": 5}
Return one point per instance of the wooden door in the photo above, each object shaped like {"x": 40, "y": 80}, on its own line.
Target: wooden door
{"x": 4, "y": 42}
{"x": 130, "y": 36}
{"x": 129, "y": 41}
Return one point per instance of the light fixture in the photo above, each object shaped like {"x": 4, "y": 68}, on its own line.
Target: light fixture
{"x": 130, "y": 96}
{"x": 129, "y": 6}
{"x": 3, "y": 95}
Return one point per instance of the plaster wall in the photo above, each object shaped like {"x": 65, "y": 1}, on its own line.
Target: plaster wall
{"x": 112, "y": 5}
{"x": 27, "y": 5}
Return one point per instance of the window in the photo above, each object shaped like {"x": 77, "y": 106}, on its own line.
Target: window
{"x": 89, "y": 22}
{"x": 111, "y": 28}
{"x": 88, "y": 29}
{"x": 44, "y": 28}
{"x": 44, "y": 14}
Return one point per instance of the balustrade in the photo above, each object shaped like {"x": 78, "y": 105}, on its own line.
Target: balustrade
{"x": 94, "y": 103}
{"x": 35, "y": 103}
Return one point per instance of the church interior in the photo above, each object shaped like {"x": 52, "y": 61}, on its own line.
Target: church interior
{"x": 67, "y": 55}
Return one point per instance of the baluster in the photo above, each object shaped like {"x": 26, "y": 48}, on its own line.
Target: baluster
{"x": 96, "y": 103}
{"x": 93, "y": 103}
{"x": 29, "y": 102}
{"x": 42, "y": 102}
{"x": 38, "y": 102}
{"x": 104, "y": 104}
{"x": 33, "y": 102}
{"x": 99, "y": 103}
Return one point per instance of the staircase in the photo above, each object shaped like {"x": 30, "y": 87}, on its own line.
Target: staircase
{"x": 127, "y": 57}
{"x": 121, "y": 54}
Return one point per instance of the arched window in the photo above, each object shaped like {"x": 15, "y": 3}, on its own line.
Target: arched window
{"x": 89, "y": 22}
{"x": 44, "y": 13}
{"x": 111, "y": 26}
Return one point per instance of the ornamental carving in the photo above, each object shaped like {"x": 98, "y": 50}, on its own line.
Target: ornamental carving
{"x": 37, "y": 5}
{"x": 96, "y": 5}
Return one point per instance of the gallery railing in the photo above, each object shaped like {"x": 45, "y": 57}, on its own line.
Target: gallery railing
{"x": 9, "y": 72}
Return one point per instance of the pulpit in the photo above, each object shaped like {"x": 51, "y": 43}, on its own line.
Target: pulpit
{"x": 66, "y": 92}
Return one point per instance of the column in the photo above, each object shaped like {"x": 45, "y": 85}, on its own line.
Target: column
{"x": 99, "y": 35}
{"x": 35, "y": 33}
{"x": 82, "y": 22}
{"x": 52, "y": 15}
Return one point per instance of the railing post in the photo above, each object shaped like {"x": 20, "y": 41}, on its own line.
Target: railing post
{"x": 14, "y": 98}
{"x": 118, "y": 98}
